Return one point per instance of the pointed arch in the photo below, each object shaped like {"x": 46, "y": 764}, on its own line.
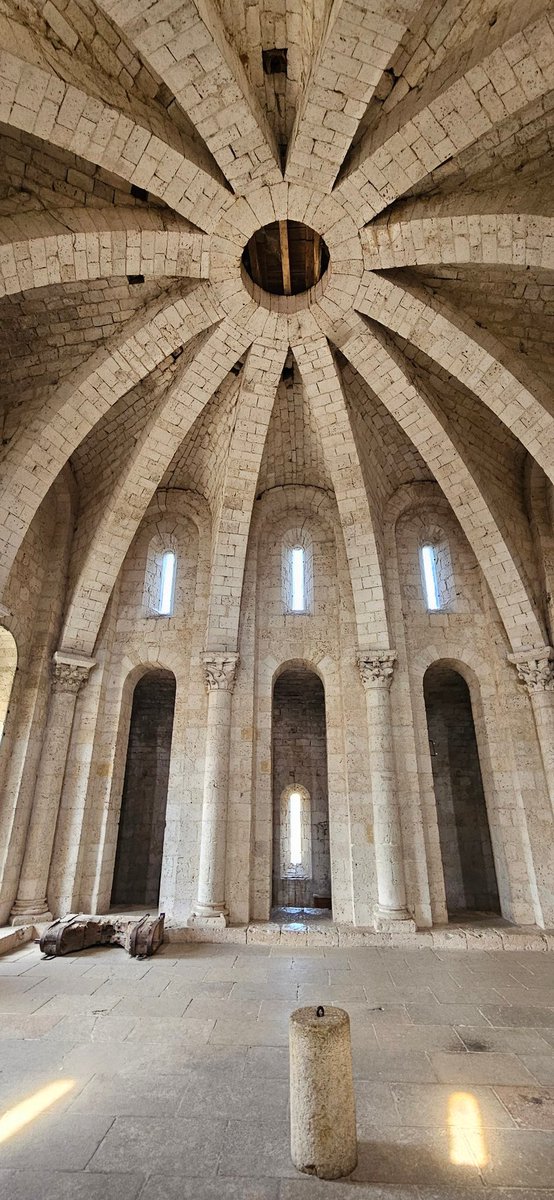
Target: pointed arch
{"x": 37, "y": 250}
{"x": 414, "y": 239}
{"x": 475, "y": 358}
{"x": 189, "y": 50}
{"x": 126, "y": 506}
{"x": 43, "y": 445}
{"x": 37, "y": 101}
{"x": 496, "y": 78}
{"x": 383, "y": 372}
{"x": 350, "y": 62}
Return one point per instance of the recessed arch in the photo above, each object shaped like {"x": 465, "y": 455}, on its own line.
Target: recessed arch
{"x": 138, "y": 859}
{"x": 464, "y": 834}
{"x": 299, "y": 769}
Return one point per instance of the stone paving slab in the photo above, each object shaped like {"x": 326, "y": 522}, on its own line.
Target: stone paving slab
{"x": 179, "y": 1075}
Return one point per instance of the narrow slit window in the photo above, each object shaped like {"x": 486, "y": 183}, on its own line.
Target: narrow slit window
{"x": 298, "y": 579}
{"x": 430, "y": 578}
{"x": 295, "y": 827}
{"x": 167, "y": 583}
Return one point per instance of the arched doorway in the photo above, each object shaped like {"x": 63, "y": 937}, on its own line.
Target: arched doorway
{"x": 301, "y": 855}
{"x": 8, "y": 665}
{"x": 138, "y": 860}
{"x": 467, "y": 858}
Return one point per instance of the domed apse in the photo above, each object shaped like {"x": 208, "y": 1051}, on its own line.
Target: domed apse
{"x": 286, "y": 258}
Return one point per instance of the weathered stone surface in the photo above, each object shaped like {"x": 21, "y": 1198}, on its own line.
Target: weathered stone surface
{"x": 322, "y": 1105}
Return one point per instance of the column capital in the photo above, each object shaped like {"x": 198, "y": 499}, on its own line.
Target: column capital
{"x": 535, "y": 668}
{"x": 220, "y": 670}
{"x": 376, "y": 667}
{"x": 70, "y": 671}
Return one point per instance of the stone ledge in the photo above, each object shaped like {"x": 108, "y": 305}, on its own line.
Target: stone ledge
{"x": 12, "y": 937}
{"x": 328, "y": 934}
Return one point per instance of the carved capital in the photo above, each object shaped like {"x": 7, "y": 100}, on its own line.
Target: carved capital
{"x": 376, "y": 667}
{"x": 221, "y": 670}
{"x": 535, "y": 669}
{"x": 70, "y": 673}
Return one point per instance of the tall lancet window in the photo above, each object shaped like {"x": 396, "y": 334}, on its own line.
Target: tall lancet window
{"x": 298, "y": 579}
{"x": 167, "y": 583}
{"x": 297, "y": 573}
{"x": 430, "y": 578}
{"x": 437, "y": 573}
{"x": 296, "y": 833}
{"x": 295, "y": 828}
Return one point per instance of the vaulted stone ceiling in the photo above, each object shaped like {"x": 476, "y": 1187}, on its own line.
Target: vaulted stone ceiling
{"x": 143, "y": 144}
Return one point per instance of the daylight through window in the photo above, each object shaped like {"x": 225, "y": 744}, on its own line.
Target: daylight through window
{"x": 167, "y": 584}
{"x": 298, "y": 573}
{"x": 295, "y": 827}
{"x": 430, "y": 579}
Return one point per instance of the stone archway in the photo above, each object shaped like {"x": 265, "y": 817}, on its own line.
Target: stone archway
{"x": 299, "y": 768}
{"x": 138, "y": 860}
{"x": 467, "y": 857}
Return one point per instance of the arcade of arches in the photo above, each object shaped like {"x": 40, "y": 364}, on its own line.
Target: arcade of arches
{"x": 276, "y": 498}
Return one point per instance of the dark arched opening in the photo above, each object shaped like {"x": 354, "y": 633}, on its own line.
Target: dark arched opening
{"x": 467, "y": 858}
{"x": 138, "y": 860}
{"x": 301, "y": 856}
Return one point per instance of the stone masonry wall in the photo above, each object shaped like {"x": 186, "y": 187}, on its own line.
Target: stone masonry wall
{"x": 299, "y": 745}
{"x": 469, "y": 638}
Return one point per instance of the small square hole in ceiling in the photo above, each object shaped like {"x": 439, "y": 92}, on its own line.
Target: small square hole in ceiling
{"x": 275, "y": 62}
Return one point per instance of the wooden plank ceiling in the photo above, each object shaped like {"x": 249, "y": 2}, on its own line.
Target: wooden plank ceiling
{"x": 286, "y": 258}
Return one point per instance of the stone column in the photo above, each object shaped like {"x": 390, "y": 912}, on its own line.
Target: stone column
{"x": 376, "y": 668}
{"x": 69, "y": 672}
{"x": 220, "y": 680}
{"x": 535, "y": 670}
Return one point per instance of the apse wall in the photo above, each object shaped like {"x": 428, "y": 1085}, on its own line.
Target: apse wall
{"x": 133, "y": 639}
{"x": 322, "y": 640}
{"x": 468, "y": 634}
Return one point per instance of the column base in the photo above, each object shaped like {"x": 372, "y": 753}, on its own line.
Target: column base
{"x": 393, "y": 920}
{"x": 210, "y": 918}
{"x": 31, "y": 913}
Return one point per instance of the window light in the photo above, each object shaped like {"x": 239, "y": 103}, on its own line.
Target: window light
{"x": 430, "y": 580}
{"x": 298, "y": 579}
{"x": 295, "y": 825}
{"x": 167, "y": 583}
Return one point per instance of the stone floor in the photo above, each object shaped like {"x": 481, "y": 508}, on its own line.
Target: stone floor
{"x": 177, "y": 1072}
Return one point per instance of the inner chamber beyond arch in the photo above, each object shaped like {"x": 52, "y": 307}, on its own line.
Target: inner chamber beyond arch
{"x": 466, "y": 849}
{"x": 299, "y": 763}
{"x": 138, "y": 861}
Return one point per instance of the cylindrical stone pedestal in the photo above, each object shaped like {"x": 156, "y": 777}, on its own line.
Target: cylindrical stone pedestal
{"x": 322, "y": 1107}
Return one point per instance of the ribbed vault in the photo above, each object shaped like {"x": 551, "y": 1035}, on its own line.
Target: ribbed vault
{"x": 141, "y": 149}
